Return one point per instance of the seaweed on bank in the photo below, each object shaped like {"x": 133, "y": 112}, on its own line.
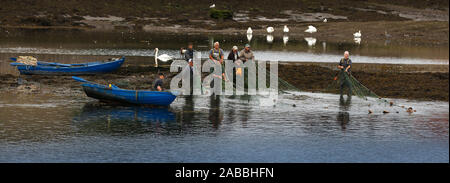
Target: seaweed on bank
{"x": 220, "y": 14}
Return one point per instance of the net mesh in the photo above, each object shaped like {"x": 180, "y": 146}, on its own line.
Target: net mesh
{"x": 342, "y": 78}
{"x": 347, "y": 82}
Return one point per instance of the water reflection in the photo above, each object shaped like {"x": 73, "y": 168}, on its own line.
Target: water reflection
{"x": 311, "y": 41}
{"x": 96, "y": 117}
{"x": 357, "y": 40}
{"x": 249, "y": 37}
{"x": 187, "y": 113}
{"x": 343, "y": 116}
{"x": 343, "y": 119}
{"x": 269, "y": 38}
{"x": 345, "y": 104}
{"x": 95, "y": 110}
{"x": 285, "y": 39}
{"x": 78, "y": 42}
{"x": 215, "y": 114}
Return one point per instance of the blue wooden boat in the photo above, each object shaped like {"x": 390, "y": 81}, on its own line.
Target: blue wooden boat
{"x": 52, "y": 68}
{"x": 116, "y": 94}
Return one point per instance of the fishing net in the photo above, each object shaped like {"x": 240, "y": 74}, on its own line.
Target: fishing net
{"x": 27, "y": 60}
{"x": 347, "y": 83}
{"x": 283, "y": 86}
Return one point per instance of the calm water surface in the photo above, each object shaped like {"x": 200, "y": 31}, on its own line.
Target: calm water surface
{"x": 126, "y": 43}
{"x": 321, "y": 128}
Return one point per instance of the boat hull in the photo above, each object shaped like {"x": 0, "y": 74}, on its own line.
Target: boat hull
{"x": 138, "y": 97}
{"x": 66, "y": 69}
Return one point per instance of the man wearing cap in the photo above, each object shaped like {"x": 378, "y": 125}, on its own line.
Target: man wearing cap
{"x": 216, "y": 55}
{"x": 345, "y": 65}
{"x": 189, "y": 54}
{"x": 233, "y": 54}
{"x": 158, "y": 84}
{"x": 246, "y": 54}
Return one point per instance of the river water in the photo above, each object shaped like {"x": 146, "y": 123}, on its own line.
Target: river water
{"x": 300, "y": 127}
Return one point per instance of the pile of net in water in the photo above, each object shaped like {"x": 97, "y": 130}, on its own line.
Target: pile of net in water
{"x": 283, "y": 86}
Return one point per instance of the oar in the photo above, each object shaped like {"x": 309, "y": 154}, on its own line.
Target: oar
{"x": 86, "y": 81}
{"x": 80, "y": 79}
{"x": 83, "y": 80}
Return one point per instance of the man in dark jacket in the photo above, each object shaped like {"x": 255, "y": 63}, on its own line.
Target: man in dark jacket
{"x": 234, "y": 55}
{"x": 158, "y": 86}
{"x": 189, "y": 54}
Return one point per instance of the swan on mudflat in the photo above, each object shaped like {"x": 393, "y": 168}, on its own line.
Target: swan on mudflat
{"x": 311, "y": 29}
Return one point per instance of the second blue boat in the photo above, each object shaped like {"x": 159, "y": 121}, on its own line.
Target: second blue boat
{"x": 52, "y": 68}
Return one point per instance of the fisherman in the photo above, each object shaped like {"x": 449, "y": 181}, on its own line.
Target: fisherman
{"x": 345, "y": 66}
{"x": 158, "y": 86}
{"x": 246, "y": 54}
{"x": 233, "y": 54}
{"x": 216, "y": 55}
{"x": 189, "y": 53}
{"x": 189, "y": 57}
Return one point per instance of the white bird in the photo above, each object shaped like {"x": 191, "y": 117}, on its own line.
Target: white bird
{"x": 325, "y": 20}
{"x": 270, "y": 29}
{"x": 311, "y": 29}
{"x": 249, "y": 30}
{"x": 285, "y": 39}
{"x": 163, "y": 57}
{"x": 212, "y": 6}
{"x": 311, "y": 41}
{"x": 357, "y": 34}
{"x": 286, "y": 29}
{"x": 269, "y": 38}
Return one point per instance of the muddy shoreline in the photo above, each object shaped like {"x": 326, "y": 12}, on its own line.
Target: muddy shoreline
{"x": 403, "y": 22}
{"x": 305, "y": 77}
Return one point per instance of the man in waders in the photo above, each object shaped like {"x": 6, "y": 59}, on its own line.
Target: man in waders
{"x": 345, "y": 66}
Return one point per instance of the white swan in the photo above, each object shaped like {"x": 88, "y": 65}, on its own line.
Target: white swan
{"x": 325, "y": 20}
{"x": 269, "y": 38}
{"x": 212, "y": 6}
{"x": 270, "y": 29}
{"x": 285, "y": 39}
{"x": 249, "y": 30}
{"x": 311, "y": 41}
{"x": 286, "y": 29}
{"x": 311, "y": 29}
{"x": 357, "y": 34}
{"x": 163, "y": 57}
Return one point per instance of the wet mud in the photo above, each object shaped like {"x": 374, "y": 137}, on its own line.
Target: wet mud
{"x": 311, "y": 78}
